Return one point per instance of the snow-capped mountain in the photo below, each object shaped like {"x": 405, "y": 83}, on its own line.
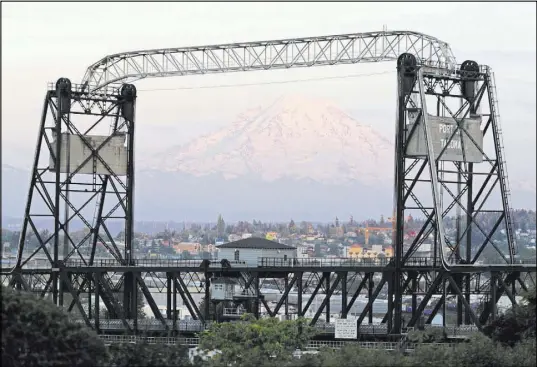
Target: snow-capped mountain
{"x": 293, "y": 158}
{"x": 293, "y": 138}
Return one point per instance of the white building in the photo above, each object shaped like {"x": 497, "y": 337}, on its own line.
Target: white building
{"x": 250, "y": 250}
{"x": 222, "y": 289}
{"x": 302, "y": 251}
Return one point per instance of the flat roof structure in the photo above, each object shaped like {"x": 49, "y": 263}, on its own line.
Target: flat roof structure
{"x": 256, "y": 243}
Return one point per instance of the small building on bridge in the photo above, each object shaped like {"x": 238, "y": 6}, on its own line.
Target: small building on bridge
{"x": 251, "y": 249}
{"x": 222, "y": 289}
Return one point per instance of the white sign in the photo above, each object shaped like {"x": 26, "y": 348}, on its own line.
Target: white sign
{"x": 346, "y": 329}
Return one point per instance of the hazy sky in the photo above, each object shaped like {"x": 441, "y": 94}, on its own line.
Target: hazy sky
{"x": 42, "y": 42}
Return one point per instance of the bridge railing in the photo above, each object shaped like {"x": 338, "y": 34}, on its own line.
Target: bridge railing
{"x": 236, "y": 312}
{"x": 312, "y": 344}
{"x": 149, "y": 340}
{"x": 262, "y": 262}
{"x": 369, "y": 329}
{"x": 267, "y": 262}
{"x": 321, "y": 327}
{"x": 149, "y": 324}
{"x": 454, "y": 331}
{"x": 165, "y": 263}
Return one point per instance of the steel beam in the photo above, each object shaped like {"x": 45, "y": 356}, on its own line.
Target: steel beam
{"x": 265, "y": 55}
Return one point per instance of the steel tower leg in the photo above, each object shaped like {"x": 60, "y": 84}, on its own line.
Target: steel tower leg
{"x": 454, "y": 142}
{"x": 72, "y": 122}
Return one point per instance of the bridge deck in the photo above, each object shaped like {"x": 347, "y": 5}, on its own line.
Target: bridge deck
{"x": 270, "y": 265}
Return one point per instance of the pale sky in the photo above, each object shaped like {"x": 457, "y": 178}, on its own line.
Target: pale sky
{"x": 44, "y": 41}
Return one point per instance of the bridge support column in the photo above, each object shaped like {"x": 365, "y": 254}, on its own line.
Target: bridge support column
{"x": 370, "y": 286}
{"x": 493, "y": 295}
{"x": 96, "y": 281}
{"x": 168, "y": 296}
{"x": 207, "y": 297}
{"x": 344, "y": 295}
{"x": 327, "y": 295}
{"x": 286, "y": 284}
{"x": 299, "y": 294}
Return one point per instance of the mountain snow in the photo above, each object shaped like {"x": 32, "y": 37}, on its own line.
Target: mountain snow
{"x": 294, "y": 137}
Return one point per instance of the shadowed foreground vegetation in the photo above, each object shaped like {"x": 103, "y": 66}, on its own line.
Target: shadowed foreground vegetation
{"x": 37, "y": 333}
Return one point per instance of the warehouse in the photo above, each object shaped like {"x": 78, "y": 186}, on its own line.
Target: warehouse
{"x": 251, "y": 249}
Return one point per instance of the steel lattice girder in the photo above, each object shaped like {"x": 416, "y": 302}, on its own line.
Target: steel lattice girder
{"x": 69, "y": 117}
{"x": 264, "y": 55}
{"x": 458, "y": 98}
{"x": 478, "y": 192}
{"x": 490, "y": 285}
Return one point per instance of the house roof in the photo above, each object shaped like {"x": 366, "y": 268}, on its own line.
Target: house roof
{"x": 256, "y": 243}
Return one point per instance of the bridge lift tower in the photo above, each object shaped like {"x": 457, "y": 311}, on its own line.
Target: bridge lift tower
{"x": 449, "y": 157}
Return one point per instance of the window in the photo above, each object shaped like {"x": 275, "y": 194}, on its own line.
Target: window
{"x": 218, "y": 287}
{"x": 236, "y": 255}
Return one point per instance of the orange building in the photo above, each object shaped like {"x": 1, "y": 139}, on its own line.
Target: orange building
{"x": 187, "y": 246}
{"x": 355, "y": 251}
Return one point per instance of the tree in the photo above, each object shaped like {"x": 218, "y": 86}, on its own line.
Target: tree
{"x": 263, "y": 342}
{"x": 516, "y": 324}
{"x": 216, "y": 311}
{"x": 37, "y": 333}
{"x": 220, "y": 226}
{"x": 351, "y": 356}
{"x": 120, "y": 236}
{"x": 318, "y": 252}
{"x": 292, "y": 226}
{"x": 143, "y": 354}
{"x": 477, "y": 351}
{"x": 186, "y": 255}
{"x": 14, "y": 240}
{"x": 167, "y": 250}
{"x": 140, "y": 303}
{"x": 185, "y": 236}
{"x": 166, "y": 235}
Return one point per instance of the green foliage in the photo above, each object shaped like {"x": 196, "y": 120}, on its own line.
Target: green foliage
{"x": 351, "y": 356}
{"x": 37, "y": 333}
{"x": 478, "y": 351}
{"x": 516, "y": 324}
{"x": 143, "y": 354}
{"x": 216, "y": 311}
{"x": 264, "y": 342}
{"x": 434, "y": 335}
{"x": 220, "y": 226}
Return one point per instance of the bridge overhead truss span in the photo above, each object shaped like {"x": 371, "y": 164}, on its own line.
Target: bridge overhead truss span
{"x": 264, "y": 55}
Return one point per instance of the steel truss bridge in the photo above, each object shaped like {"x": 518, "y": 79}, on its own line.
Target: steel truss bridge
{"x": 459, "y": 174}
